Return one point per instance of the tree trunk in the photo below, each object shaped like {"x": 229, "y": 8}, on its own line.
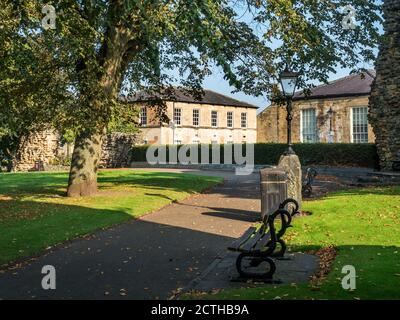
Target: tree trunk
{"x": 13, "y": 152}
{"x": 13, "y": 162}
{"x": 384, "y": 103}
{"x": 87, "y": 149}
{"x": 85, "y": 158}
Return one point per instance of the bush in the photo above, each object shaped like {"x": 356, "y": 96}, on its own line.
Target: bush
{"x": 5, "y": 162}
{"x": 332, "y": 154}
{"x": 324, "y": 154}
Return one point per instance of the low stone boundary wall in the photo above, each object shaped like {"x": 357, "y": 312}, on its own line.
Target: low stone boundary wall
{"x": 44, "y": 152}
{"x": 116, "y": 150}
{"x": 39, "y": 147}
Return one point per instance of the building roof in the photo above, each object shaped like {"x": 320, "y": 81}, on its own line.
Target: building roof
{"x": 352, "y": 85}
{"x": 209, "y": 97}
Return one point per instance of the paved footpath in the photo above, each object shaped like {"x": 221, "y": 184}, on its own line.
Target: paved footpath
{"x": 147, "y": 258}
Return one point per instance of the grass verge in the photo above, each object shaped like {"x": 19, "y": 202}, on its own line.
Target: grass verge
{"x": 364, "y": 226}
{"x": 35, "y": 214}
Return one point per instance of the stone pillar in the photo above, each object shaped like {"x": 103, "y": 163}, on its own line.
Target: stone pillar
{"x": 384, "y": 102}
{"x": 291, "y": 165}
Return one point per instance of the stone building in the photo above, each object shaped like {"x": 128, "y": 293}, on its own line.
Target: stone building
{"x": 214, "y": 119}
{"x": 384, "y": 101}
{"x": 334, "y": 112}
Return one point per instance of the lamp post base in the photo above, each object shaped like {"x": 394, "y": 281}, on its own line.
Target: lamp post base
{"x": 289, "y": 151}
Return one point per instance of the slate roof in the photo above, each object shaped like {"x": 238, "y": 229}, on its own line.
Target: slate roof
{"x": 352, "y": 85}
{"x": 209, "y": 97}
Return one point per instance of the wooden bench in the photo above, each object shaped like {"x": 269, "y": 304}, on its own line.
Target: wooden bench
{"x": 259, "y": 245}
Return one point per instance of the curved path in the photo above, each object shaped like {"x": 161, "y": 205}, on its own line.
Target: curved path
{"x": 148, "y": 258}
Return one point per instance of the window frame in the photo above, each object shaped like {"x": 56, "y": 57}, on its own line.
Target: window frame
{"x": 214, "y": 112}
{"x": 359, "y": 133}
{"x": 143, "y": 115}
{"x": 229, "y": 119}
{"x": 302, "y": 134}
{"x": 198, "y": 117}
{"x": 175, "y": 116}
{"x": 245, "y": 120}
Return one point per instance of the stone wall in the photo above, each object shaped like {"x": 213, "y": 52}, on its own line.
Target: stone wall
{"x": 42, "y": 146}
{"x": 384, "y": 101}
{"x": 271, "y": 123}
{"x": 116, "y": 150}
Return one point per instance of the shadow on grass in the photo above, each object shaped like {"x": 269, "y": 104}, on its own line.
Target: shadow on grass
{"x": 163, "y": 257}
{"x": 28, "y": 227}
{"x": 163, "y": 196}
{"x": 37, "y": 185}
{"x": 145, "y": 258}
{"x": 159, "y": 180}
{"x": 374, "y": 190}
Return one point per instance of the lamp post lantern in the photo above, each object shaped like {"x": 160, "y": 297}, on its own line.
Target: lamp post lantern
{"x": 288, "y": 80}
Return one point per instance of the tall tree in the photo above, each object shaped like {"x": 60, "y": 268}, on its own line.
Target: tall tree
{"x": 384, "y": 103}
{"x": 31, "y": 85}
{"x": 101, "y": 48}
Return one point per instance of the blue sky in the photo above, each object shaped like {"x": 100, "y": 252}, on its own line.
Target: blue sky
{"x": 217, "y": 83}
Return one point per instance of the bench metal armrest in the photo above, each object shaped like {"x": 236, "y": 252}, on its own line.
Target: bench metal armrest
{"x": 295, "y": 209}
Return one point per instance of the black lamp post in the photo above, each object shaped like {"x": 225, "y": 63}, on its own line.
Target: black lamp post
{"x": 330, "y": 115}
{"x": 288, "y": 80}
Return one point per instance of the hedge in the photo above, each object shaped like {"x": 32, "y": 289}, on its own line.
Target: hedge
{"x": 325, "y": 154}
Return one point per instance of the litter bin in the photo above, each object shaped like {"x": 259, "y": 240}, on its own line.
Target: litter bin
{"x": 273, "y": 189}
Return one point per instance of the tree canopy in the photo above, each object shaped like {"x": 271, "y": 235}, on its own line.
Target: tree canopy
{"x": 168, "y": 42}
{"x": 72, "y": 76}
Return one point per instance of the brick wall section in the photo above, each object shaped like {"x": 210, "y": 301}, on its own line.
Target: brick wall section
{"x": 271, "y": 123}
{"x": 384, "y": 100}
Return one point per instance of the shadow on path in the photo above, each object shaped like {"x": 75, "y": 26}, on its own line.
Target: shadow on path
{"x": 147, "y": 258}
{"x": 135, "y": 260}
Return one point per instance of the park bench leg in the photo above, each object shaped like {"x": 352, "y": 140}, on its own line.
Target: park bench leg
{"x": 247, "y": 258}
{"x": 281, "y": 252}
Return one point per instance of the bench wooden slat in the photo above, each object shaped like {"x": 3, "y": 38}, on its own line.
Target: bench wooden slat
{"x": 263, "y": 241}
{"x": 248, "y": 245}
{"x": 237, "y": 243}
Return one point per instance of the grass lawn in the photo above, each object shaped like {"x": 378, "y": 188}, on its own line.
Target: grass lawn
{"x": 364, "y": 226}
{"x": 35, "y": 214}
